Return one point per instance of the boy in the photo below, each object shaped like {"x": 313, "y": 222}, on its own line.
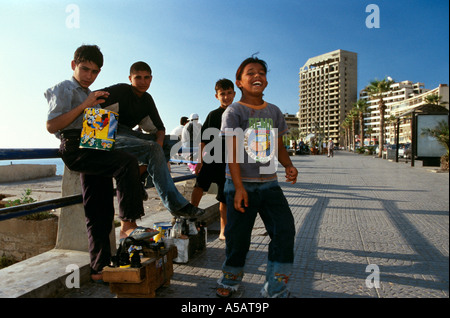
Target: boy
{"x": 67, "y": 102}
{"x": 252, "y": 185}
{"x": 208, "y": 172}
{"x": 135, "y": 105}
{"x": 178, "y": 130}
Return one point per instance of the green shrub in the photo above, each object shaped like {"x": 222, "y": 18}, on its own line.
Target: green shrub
{"x": 26, "y": 198}
{"x": 6, "y": 261}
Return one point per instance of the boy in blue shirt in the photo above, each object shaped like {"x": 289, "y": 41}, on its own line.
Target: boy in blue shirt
{"x": 252, "y": 187}
{"x": 67, "y": 101}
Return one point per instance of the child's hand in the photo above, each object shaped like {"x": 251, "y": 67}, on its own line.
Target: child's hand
{"x": 198, "y": 167}
{"x": 291, "y": 174}
{"x": 95, "y": 98}
{"x": 240, "y": 200}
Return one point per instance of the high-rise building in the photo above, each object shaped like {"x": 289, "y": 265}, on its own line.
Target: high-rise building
{"x": 327, "y": 91}
{"x": 399, "y": 92}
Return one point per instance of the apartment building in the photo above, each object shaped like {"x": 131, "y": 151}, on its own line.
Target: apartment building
{"x": 401, "y": 107}
{"x": 291, "y": 120}
{"x": 327, "y": 92}
{"x": 400, "y": 92}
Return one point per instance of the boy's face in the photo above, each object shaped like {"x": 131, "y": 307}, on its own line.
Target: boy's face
{"x": 141, "y": 81}
{"x": 225, "y": 96}
{"x": 253, "y": 80}
{"x": 85, "y": 73}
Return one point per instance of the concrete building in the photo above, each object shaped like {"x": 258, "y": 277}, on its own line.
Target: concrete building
{"x": 291, "y": 120}
{"x": 400, "y": 92}
{"x": 401, "y": 107}
{"x": 327, "y": 91}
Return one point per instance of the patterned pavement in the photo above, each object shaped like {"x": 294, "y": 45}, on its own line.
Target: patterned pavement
{"x": 366, "y": 227}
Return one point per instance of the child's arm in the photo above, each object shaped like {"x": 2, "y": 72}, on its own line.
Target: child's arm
{"x": 62, "y": 121}
{"x": 283, "y": 158}
{"x": 160, "y": 134}
{"x": 241, "y": 196}
{"x": 199, "y": 164}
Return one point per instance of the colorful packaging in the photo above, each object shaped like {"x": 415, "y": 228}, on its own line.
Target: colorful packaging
{"x": 163, "y": 228}
{"x": 99, "y": 129}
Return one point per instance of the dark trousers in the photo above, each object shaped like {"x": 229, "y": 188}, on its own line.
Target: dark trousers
{"x": 97, "y": 168}
{"x": 267, "y": 199}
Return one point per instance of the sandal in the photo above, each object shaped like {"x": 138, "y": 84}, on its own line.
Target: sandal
{"x": 98, "y": 278}
{"x": 141, "y": 233}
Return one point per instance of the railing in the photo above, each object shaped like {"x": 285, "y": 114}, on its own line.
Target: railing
{"x": 35, "y": 207}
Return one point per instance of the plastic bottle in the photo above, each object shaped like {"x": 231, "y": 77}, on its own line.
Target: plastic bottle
{"x": 177, "y": 229}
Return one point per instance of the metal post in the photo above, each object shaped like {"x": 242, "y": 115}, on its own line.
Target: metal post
{"x": 397, "y": 139}
{"x": 413, "y": 137}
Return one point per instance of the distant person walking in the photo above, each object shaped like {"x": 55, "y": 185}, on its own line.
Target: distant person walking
{"x": 330, "y": 148}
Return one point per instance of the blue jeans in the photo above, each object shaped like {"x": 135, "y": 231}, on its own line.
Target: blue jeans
{"x": 150, "y": 153}
{"x": 267, "y": 199}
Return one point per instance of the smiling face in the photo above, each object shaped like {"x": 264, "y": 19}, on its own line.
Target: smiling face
{"x": 140, "y": 80}
{"x": 253, "y": 81}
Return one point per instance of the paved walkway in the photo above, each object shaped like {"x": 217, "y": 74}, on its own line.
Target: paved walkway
{"x": 351, "y": 211}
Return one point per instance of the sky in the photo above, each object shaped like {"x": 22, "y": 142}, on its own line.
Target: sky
{"x": 190, "y": 44}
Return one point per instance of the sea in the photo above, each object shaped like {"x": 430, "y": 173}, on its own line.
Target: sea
{"x": 53, "y": 161}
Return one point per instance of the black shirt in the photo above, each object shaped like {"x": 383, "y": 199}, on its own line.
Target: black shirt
{"x": 132, "y": 108}
{"x": 214, "y": 120}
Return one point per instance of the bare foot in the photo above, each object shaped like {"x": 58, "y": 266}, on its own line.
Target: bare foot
{"x": 126, "y": 228}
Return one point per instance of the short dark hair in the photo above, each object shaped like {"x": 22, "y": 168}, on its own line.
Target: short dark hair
{"x": 247, "y": 61}
{"x": 224, "y": 84}
{"x": 88, "y": 53}
{"x": 140, "y": 66}
{"x": 183, "y": 120}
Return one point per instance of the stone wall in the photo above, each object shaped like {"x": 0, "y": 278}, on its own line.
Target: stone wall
{"x": 19, "y": 172}
{"x": 22, "y": 239}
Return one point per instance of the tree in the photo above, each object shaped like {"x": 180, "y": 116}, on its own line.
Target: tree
{"x": 352, "y": 115}
{"x": 376, "y": 89}
{"x": 361, "y": 107}
{"x": 346, "y": 124}
{"x": 392, "y": 120}
{"x": 441, "y": 133}
{"x": 370, "y": 133}
{"x": 434, "y": 99}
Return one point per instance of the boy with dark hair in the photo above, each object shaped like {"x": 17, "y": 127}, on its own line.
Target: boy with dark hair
{"x": 212, "y": 168}
{"x": 252, "y": 185}
{"x": 177, "y": 131}
{"x": 136, "y": 105}
{"x": 67, "y": 102}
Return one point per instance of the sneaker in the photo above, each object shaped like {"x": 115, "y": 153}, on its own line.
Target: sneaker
{"x": 190, "y": 211}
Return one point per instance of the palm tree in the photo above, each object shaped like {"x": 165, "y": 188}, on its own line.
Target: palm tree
{"x": 376, "y": 89}
{"x": 434, "y": 99}
{"x": 352, "y": 115}
{"x": 361, "y": 107}
{"x": 370, "y": 133}
{"x": 391, "y": 121}
{"x": 346, "y": 124}
{"x": 441, "y": 133}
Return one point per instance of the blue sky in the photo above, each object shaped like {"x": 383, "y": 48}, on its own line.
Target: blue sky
{"x": 190, "y": 44}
